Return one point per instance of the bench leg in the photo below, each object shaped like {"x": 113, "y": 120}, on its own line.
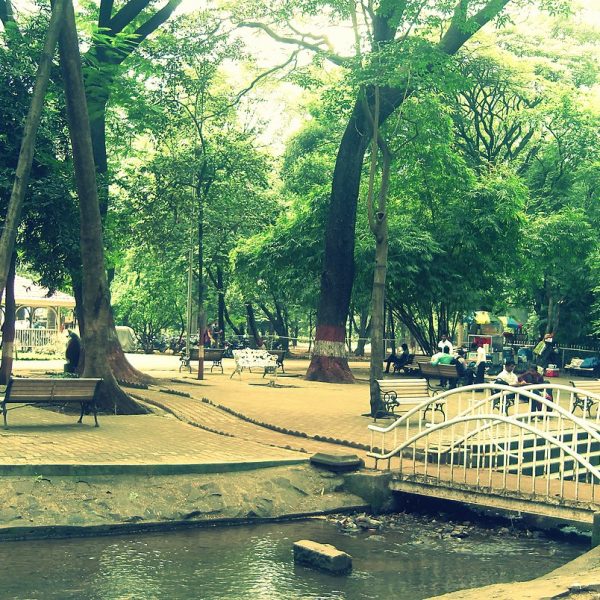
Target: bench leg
{"x": 4, "y": 411}
{"x": 95, "y": 409}
{"x": 81, "y": 414}
{"x": 440, "y": 408}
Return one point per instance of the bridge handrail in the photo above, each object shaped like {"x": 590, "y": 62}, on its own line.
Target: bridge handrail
{"x": 522, "y": 390}
{"x": 492, "y": 418}
{"x": 592, "y": 430}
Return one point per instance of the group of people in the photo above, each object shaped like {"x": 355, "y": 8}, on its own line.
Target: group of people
{"x": 530, "y": 377}
{"x": 471, "y": 371}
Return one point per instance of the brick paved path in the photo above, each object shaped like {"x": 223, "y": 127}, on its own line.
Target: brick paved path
{"x": 201, "y": 433}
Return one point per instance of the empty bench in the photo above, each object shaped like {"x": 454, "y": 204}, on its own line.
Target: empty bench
{"x": 213, "y": 354}
{"x": 585, "y": 403}
{"x": 248, "y": 358}
{"x": 397, "y": 393}
{"x": 56, "y": 392}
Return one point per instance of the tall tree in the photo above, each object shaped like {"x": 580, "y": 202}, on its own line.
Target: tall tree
{"x": 413, "y": 58}
{"x": 13, "y": 216}
{"x": 96, "y": 299}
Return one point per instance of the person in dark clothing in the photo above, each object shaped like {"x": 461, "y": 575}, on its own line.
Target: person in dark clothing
{"x": 399, "y": 360}
{"x": 462, "y": 368}
{"x": 72, "y": 352}
{"x": 532, "y": 377}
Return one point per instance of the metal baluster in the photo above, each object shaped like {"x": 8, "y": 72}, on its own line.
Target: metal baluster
{"x": 465, "y": 451}
{"x": 507, "y": 439}
{"x": 548, "y": 455}
{"x": 576, "y": 462}
{"x": 562, "y": 456}
{"x": 452, "y": 442}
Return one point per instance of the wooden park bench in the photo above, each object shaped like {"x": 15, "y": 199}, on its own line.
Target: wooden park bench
{"x": 213, "y": 354}
{"x": 397, "y": 393}
{"x": 46, "y": 391}
{"x": 411, "y": 366}
{"x": 249, "y": 358}
{"x": 575, "y": 368}
{"x": 585, "y": 403}
{"x": 429, "y": 372}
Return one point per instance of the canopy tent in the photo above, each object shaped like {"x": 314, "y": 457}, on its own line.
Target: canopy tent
{"x": 482, "y": 317}
{"x": 509, "y": 323}
{"x": 127, "y": 338}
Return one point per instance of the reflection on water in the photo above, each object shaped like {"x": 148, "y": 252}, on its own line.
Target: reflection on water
{"x": 256, "y": 563}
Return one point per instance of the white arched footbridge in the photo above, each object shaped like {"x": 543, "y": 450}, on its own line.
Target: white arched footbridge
{"x": 508, "y": 448}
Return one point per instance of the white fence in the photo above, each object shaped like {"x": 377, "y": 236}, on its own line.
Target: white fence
{"x": 37, "y": 338}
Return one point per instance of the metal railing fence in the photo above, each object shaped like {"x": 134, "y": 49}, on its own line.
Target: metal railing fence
{"x": 541, "y": 449}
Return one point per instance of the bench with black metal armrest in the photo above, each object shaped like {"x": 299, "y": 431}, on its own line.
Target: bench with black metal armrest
{"x": 213, "y": 354}
{"x": 47, "y": 391}
{"x": 429, "y": 371}
{"x": 397, "y": 393}
{"x": 280, "y": 355}
{"x": 585, "y": 403}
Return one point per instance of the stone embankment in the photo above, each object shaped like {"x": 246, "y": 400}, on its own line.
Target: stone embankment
{"x": 45, "y": 506}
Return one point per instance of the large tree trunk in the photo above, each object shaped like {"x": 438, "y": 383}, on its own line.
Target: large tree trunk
{"x": 8, "y": 327}
{"x": 106, "y": 57}
{"x": 23, "y": 170}
{"x": 96, "y": 300}
{"x": 329, "y": 362}
{"x": 252, "y": 329}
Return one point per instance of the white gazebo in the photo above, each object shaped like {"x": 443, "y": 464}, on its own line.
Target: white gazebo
{"x": 35, "y": 329}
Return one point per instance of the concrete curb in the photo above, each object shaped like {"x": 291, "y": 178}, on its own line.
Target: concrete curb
{"x": 144, "y": 469}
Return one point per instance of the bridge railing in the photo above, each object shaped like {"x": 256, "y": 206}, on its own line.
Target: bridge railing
{"x": 541, "y": 449}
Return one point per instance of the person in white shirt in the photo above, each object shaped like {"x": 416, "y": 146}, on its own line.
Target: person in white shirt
{"x": 507, "y": 375}
{"x": 480, "y": 362}
{"x": 445, "y": 343}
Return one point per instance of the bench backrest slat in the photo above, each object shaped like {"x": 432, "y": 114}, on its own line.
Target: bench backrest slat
{"x": 51, "y": 390}
{"x": 447, "y": 370}
{"x": 407, "y": 388}
{"x": 589, "y": 386}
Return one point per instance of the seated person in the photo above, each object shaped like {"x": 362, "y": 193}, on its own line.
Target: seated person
{"x": 443, "y": 358}
{"x": 399, "y": 360}
{"x": 507, "y": 375}
{"x": 532, "y": 377}
{"x": 463, "y": 369}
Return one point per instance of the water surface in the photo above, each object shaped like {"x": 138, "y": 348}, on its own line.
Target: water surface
{"x": 414, "y": 560}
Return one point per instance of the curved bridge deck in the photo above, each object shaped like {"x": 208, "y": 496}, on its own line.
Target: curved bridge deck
{"x": 518, "y": 449}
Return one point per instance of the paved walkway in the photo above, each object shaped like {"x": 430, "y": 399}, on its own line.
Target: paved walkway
{"x": 200, "y": 431}
{"x": 222, "y": 421}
